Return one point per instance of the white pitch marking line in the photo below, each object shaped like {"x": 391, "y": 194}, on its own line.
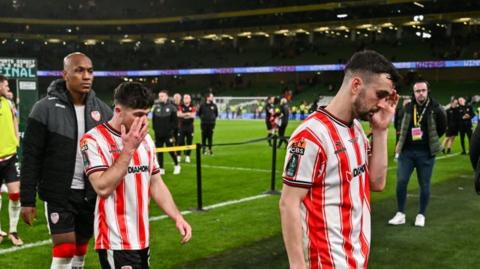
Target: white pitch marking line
{"x": 156, "y": 218}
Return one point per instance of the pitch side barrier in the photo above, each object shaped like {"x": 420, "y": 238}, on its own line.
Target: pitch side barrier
{"x": 197, "y": 147}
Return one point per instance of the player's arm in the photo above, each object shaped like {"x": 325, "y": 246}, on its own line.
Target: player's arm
{"x": 378, "y": 160}
{"x": 163, "y": 198}
{"x": 105, "y": 182}
{"x": 291, "y": 224}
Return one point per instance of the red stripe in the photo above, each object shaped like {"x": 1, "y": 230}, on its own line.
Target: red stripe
{"x": 119, "y": 192}
{"x": 140, "y": 194}
{"x": 346, "y": 201}
{"x": 102, "y": 241}
{"x": 320, "y": 253}
{"x": 362, "y": 180}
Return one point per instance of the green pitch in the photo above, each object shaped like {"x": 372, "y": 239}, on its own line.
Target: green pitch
{"x": 246, "y": 233}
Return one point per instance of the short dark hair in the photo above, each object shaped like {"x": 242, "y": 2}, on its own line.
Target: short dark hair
{"x": 163, "y": 91}
{"x": 421, "y": 81}
{"x": 372, "y": 62}
{"x": 133, "y": 95}
{"x": 3, "y": 78}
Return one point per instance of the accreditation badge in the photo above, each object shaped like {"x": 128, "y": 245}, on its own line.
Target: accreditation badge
{"x": 417, "y": 134}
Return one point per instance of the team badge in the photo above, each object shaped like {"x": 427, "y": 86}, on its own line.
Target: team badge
{"x": 54, "y": 217}
{"x": 298, "y": 147}
{"x": 96, "y": 115}
{"x": 168, "y": 109}
{"x": 126, "y": 267}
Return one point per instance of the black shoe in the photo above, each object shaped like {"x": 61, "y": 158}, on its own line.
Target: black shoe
{"x": 443, "y": 151}
{"x": 463, "y": 153}
{"x": 449, "y": 151}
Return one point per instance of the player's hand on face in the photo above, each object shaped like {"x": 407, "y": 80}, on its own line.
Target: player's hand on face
{"x": 29, "y": 214}
{"x": 134, "y": 137}
{"x": 184, "y": 229}
{"x": 382, "y": 118}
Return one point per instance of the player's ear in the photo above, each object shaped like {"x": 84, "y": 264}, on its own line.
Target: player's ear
{"x": 356, "y": 85}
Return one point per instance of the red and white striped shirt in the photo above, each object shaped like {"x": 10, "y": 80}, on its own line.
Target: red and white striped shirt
{"x": 330, "y": 158}
{"x": 121, "y": 220}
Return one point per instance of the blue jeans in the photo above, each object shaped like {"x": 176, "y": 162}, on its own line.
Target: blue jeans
{"x": 423, "y": 162}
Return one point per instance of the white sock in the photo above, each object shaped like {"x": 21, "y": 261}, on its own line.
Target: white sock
{"x": 78, "y": 262}
{"x": 14, "y": 214}
{"x": 61, "y": 263}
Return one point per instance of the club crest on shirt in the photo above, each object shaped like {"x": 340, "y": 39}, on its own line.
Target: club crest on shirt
{"x": 126, "y": 267}
{"x": 298, "y": 147}
{"x": 339, "y": 148}
{"x": 96, "y": 115}
{"x": 54, "y": 217}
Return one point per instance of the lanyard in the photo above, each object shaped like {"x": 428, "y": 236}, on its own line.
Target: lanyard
{"x": 417, "y": 119}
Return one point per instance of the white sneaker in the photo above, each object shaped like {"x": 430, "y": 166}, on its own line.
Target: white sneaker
{"x": 420, "y": 220}
{"x": 176, "y": 169}
{"x": 162, "y": 171}
{"x": 187, "y": 159}
{"x": 179, "y": 158}
{"x": 2, "y": 233}
{"x": 3, "y": 189}
{"x": 398, "y": 219}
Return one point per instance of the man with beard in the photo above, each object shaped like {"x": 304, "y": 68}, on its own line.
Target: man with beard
{"x": 52, "y": 162}
{"x": 330, "y": 169}
{"x": 422, "y": 126}
{"x": 164, "y": 118}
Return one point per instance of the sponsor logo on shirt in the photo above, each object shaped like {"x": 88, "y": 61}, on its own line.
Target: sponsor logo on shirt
{"x": 138, "y": 169}
{"x": 298, "y": 147}
{"x": 291, "y": 168}
{"x": 339, "y": 148}
{"x": 359, "y": 170}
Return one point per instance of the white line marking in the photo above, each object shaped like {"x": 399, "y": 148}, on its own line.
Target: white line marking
{"x": 156, "y": 218}
{"x": 439, "y": 158}
{"x": 26, "y": 246}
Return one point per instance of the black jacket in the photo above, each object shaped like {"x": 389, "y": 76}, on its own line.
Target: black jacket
{"x": 208, "y": 113}
{"x": 164, "y": 117}
{"x": 475, "y": 156}
{"x": 50, "y": 145}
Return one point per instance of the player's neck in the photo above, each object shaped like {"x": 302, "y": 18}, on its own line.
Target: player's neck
{"x": 115, "y": 123}
{"x": 339, "y": 108}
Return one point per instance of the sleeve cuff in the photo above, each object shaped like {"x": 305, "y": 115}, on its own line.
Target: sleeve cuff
{"x": 297, "y": 183}
{"x": 92, "y": 170}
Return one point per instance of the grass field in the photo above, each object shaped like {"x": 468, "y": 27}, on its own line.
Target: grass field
{"x": 246, "y": 234}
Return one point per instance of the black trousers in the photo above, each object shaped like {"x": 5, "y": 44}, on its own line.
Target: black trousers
{"x": 186, "y": 136}
{"x": 167, "y": 141}
{"x": 463, "y": 132}
{"x": 207, "y": 134}
{"x": 281, "y": 134}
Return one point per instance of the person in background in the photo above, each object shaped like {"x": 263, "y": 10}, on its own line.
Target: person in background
{"x": 269, "y": 115}
{"x": 422, "y": 126}
{"x": 9, "y": 142}
{"x": 453, "y": 123}
{"x": 164, "y": 118}
{"x": 208, "y": 113}
{"x": 186, "y": 117}
{"x": 282, "y": 121}
{"x": 466, "y": 114}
